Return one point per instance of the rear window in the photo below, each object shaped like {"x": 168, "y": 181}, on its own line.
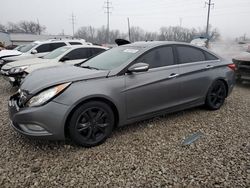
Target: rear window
{"x": 188, "y": 54}
{"x": 210, "y": 56}
{"x": 75, "y": 43}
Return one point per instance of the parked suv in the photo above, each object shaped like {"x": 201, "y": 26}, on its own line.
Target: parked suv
{"x": 16, "y": 71}
{"x": 37, "y": 49}
{"x": 118, "y": 87}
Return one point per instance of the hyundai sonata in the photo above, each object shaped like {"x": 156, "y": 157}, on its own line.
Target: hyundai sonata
{"x": 118, "y": 87}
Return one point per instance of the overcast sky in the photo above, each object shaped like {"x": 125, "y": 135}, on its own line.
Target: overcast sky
{"x": 232, "y": 18}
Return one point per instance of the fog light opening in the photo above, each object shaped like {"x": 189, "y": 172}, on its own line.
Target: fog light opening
{"x": 32, "y": 127}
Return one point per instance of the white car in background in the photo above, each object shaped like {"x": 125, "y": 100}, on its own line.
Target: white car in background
{"x": 200, "y": 41}
{"x": 16, "y": 71}
{"x": 37, "y": 49}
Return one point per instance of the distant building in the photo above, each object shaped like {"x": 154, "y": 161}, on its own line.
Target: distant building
{"x": 24, "y": 38}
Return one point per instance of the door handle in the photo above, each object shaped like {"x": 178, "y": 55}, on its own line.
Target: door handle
{"x": 173, "y": 75}
{"x": 209, "y": 66}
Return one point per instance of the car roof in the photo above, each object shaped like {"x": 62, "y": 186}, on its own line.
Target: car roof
{"x": 86, "y": 46}
{"x": 61, "y": 40}
{"x": 151, "y": 44}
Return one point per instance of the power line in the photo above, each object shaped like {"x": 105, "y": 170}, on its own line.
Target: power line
{"x": 107, "y": 8}
{"x": 73, "y": 22}
{"x": 39, "y": 27}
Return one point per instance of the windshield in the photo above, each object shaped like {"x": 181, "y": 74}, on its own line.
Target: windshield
{"x": 28, "y": 47}
{"x": 18, "y": 48}
{"x": 56, "y": 53}
{"x": 112, "y": 58}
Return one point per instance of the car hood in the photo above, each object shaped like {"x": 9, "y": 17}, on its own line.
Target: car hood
{"x": 22, "y": 56}
{"x": 8, "y": 53}
{"x": 27, "y": 62}
{"x": 51, "y": 63}
{"x": 244, "y": 56}
{"x": 44, "y": 78}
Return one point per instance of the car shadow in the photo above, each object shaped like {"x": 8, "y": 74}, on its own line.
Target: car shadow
{"x": 51, "y": 146}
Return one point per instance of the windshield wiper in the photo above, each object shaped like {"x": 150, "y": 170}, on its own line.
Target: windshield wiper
{"x": 89, "y": 67}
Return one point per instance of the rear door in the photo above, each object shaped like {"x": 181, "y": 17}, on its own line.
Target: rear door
{"x": 196, "y": 73}
{"x": 156, "y": 89}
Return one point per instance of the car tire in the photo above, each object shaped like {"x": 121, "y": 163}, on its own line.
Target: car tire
{"x": 91, "y": 124}
{"x": 216, "y": 95}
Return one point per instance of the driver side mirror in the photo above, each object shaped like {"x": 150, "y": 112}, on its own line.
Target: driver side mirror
{"x": 139, "y": 67}
{"x": 65, "y": 58}
{"x": 33, "y": 52}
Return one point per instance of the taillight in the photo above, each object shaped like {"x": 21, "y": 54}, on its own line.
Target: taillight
{"x": 232, "y": 66}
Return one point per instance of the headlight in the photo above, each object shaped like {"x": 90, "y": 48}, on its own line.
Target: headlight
{"x": 46, "y": 95}
{"x": 17, "y": 70}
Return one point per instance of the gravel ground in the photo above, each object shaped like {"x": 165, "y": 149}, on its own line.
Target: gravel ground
{"x": 146, "y": 154}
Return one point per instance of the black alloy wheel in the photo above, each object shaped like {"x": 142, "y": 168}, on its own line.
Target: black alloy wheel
{"x": 216, "y": 95}
{"x": 91, "y": 124}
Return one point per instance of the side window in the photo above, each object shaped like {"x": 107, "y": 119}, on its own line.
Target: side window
{"x": 210, "y": 56}
{"x": 80, "y": 53}
{"x": 96, "y": 51}
{"x": 188, "y": 54}
{"x": 54, "y": 46}
{"x": 158, "y": 57}
{"x": 43, "y": 48}
{"x": 75, "y": 43}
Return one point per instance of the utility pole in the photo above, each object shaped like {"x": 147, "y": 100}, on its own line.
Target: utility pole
{"x": 73, "y": 22}
{"x": 180, "y": 19}
{"x": 107, "y": 7}
{"x": 129, "y": 36}
{"x": 208, "y": 16}
{"x": 38, "y": 27}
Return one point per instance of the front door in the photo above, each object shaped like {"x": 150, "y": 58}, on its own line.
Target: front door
{"x": 156, "y": 89}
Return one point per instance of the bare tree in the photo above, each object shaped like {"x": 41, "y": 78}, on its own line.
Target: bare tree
{"x": 13, "y": 28}
{"x": 98, "y": 35}
{"x": 25, "y": 27}
{"x": 87, "y": 32}
{"x": 31, "y": 27}
{"x": 2, "y": 28}
{"x": 177, "y": 33}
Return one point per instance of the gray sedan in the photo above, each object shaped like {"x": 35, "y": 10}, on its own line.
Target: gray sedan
{"x": 118, "y": 87}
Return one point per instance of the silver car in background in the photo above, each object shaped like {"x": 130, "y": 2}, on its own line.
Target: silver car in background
{"x": 16, "y": 71}
{"x": 118, "y": 87}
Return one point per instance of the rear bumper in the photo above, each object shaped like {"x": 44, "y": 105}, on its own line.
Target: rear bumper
{"x": 243, "y": 70}
{"x": 45, "y": 122}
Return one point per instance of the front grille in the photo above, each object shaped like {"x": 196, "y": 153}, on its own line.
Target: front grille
{"x": 21, "y": 97}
